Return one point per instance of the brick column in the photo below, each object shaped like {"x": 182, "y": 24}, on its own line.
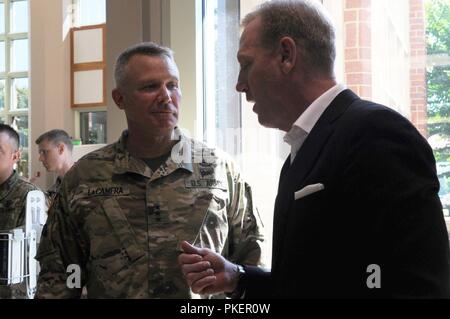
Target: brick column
{"x": 418, "y": 90}
{"x": 358, "y": 44}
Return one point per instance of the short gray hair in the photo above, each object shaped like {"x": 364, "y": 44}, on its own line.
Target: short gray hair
{"x": 56, "y": 137}
{"x": 145, "y": 48}
{"x": 304, "y": 21}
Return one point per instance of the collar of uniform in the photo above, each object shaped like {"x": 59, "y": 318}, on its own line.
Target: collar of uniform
{"x": 55, "y": 187}
{"x": 124, "y": 162}
{"x": 6, "y": 187}
{"x": 176, "y": 159}
{"x": 185, "y": 144}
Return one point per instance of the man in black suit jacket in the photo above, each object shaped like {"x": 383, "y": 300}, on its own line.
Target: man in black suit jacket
{"x": 357, "y": 212}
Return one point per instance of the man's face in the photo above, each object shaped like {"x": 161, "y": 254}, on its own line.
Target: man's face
{"x": 8, "y": 155}
{"x": 150, "y": 95}
{"x": 259, "y": 77}
{"x": 50, "y": 155}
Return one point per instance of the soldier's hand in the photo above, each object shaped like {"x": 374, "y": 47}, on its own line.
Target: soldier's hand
{"x": 207, "y": 272}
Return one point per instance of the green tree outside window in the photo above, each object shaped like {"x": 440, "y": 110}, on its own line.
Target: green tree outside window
{"x": 438, "y": 90}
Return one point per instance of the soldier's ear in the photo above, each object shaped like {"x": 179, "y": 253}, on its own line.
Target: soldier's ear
{"x": 16, "y": 156}
{"x": 118, "y": 98}
{"x": 61, "y": 147}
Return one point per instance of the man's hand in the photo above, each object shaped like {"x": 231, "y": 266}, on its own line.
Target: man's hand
{"x": 207, "y": 272}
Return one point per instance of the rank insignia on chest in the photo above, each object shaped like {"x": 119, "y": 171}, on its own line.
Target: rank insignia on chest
{"x": 158, "y": 212}
{"x": 206, "y": 171}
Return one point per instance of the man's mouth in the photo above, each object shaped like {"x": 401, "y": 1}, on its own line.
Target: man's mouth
{"x": 162, "y": 113}
{"x": 249, "y": 99}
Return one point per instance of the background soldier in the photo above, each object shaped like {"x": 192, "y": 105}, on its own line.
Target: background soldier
{"x": 55, "y": 153}
{"x": 123, "y": 209}
{"x": 13, "y": 194}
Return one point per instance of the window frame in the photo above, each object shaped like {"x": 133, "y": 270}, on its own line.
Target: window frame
{"x": 87, "y": 66}
{"x": 7, "y": 114}
{"x": 88, "y": 107}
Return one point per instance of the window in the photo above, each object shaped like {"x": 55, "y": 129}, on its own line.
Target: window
{"x": 438, "y": 91}
{"x": 14, "y": 82}
{"x": 222, "y": 112}
{"x": 93, "y": 127}
{"x": 89, "y": 12}
{"x": 90, "y": 121}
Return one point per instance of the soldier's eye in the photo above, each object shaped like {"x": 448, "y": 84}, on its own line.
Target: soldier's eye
{"x": 172, "y": 86}
{"x": 149, "y": 87}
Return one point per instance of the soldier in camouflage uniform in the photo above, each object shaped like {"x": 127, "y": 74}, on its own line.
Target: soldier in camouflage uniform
{"x": 122, "y": 210}
{"x": 55, "y": 153}
{"x": 13, "y": 194}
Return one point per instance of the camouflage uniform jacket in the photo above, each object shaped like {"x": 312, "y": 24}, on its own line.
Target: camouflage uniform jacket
{"x": 13, "y": 194}
{"x": 54, "y": 189}
{"x": 122, "y": 223}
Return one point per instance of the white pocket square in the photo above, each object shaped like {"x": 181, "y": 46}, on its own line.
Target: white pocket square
{"x": 308, "y": 190}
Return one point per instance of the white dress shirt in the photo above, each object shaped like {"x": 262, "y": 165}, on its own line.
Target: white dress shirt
{"x": 305, "y": 123}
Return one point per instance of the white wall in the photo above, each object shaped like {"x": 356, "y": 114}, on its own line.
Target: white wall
{"x": 123, "y": 29}
{"x": 49, "y": 76}
{"x": 187, "y": 47}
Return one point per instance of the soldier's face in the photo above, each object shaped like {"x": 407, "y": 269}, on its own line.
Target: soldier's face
{"x": 49, "y": 155}
{"x": 151, "y": 95}
{"x": 8, "y": 155}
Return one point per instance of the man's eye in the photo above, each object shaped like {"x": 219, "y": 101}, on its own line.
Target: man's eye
{"x": 149, "y": 87}
{"x": 172, "y": 86}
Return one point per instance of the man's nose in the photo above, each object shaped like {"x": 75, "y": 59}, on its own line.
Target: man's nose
{"x": 241, "y": 87}
{"x": 164, "y": 96}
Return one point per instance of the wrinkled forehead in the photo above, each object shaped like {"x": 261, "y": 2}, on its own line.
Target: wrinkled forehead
{"x": 152, "y": 61}
{"x": 145, "y": 68}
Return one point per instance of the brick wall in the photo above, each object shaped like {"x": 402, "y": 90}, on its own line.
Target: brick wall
{"x": 418, "y": 66}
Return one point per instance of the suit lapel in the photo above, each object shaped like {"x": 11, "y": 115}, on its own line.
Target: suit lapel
{"x": 293, "y": 176}
{"x": 284, "y": 170}
{"x": 276, "y": 221}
